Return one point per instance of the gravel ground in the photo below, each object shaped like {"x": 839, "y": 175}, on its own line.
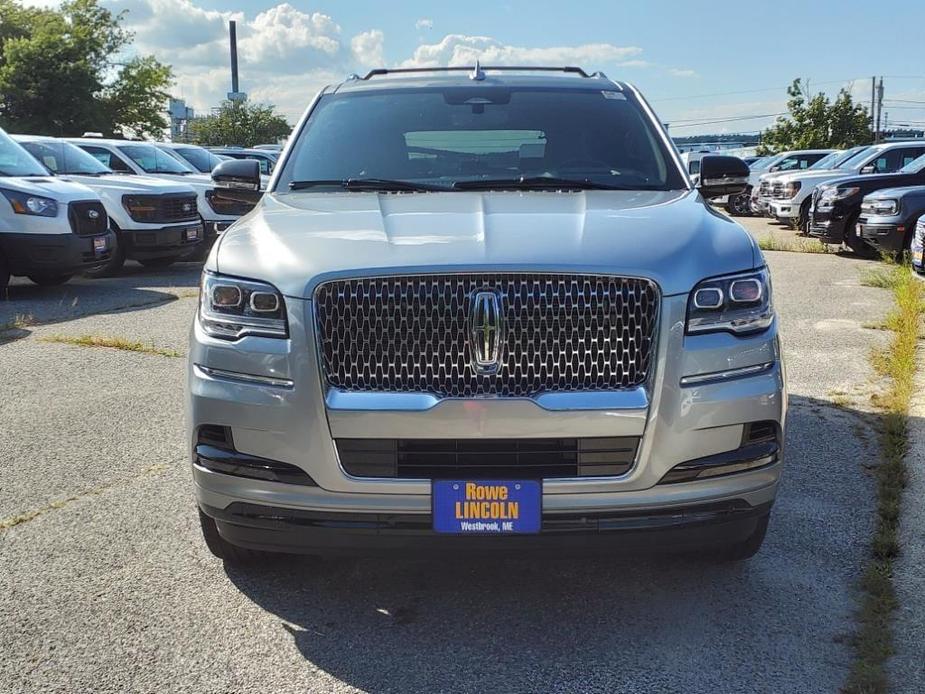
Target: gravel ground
{"x": 108, "y": 587}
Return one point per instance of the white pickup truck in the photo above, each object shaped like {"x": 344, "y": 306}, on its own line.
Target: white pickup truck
{"x": 787, "y": 197}
{"x": 49, "y": 229}
{"x": 793, "y": 160}
{"x": 155, "y": 221}
{"x": 145, "y": 159}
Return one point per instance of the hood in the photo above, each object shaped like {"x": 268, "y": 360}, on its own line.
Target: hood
{"x": 296, "y": 240}
{"x": 871, "y": 182}
{"x": 198, "y": 182}
{"x": 129, "y": 184}
{"x": 49, "y": 186}
{"x": 907, "y": 193}
{"x": 814, "y": 175}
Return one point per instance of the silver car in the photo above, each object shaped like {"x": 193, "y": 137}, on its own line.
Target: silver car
{"x": 484, "y": 310}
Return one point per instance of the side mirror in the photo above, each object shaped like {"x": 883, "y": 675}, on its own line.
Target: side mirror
{"x": 774, "y": 168}
{"x": 238, "y": 180}
{"x": 869, "y": 169}
{"x": 720, "y": 175}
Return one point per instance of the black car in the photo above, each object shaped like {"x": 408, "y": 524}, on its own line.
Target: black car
{"x": 836, "y": 206}
{"x": 888, "y": 218}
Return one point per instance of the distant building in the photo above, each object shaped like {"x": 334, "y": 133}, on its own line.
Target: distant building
{"x": 180, "y": 116}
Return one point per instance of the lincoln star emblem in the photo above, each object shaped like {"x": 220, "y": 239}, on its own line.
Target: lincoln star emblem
{"x": 486, "y": 331}
{"x": 93, "y": 214}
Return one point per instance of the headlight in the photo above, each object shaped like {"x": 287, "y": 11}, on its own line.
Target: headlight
{"x": 31, "y": 204}
{"x": 880, "y": 207}
{"x": 230, "y": 308}
{"x": 791, "y": 189}
{"x": 736, "y": 303}
{"x": 828, "y": 196}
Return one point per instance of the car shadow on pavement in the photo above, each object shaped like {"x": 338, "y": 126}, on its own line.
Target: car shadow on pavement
{"x": 643, "y": 623}
{"x": 24, "y": 304}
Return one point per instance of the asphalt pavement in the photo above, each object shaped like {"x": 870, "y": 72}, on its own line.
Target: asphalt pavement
{"x": 106, "y": 586}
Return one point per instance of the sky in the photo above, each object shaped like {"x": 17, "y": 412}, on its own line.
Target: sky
{"x": 698, "y": 63}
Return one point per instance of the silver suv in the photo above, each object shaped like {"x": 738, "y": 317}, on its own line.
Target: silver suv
{"x": 484, "y": 309}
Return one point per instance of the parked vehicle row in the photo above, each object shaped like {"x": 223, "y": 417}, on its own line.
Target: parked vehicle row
{"x": 86, "y": 205}
{"x": 822, "y": 192}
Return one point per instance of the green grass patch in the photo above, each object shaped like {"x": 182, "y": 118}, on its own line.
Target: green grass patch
{"x": 112, "y": 343}
{"x": 873, "y": 640}
{"x": 20, "y": 321}
{"x": 772, "y": 242}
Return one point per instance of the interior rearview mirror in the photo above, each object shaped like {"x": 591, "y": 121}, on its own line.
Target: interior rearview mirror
{"x": 238, "y": 180}
{"x": 722, "y": 175}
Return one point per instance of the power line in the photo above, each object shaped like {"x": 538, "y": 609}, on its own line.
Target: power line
{"x": 724, "y": 120}
{"x": 746, "y": 91}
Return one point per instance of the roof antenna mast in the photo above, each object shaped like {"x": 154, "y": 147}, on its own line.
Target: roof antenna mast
{"x": 477, "y": 73}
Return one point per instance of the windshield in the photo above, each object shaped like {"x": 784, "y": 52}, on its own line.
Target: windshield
{"x": 201, "y": 159}
{"x": 855, "y": 159}
{"x": 828, "y": 161}
{"x": 153, "y": 160}
{"x": 16, "y": 161}
{"x": 914, "y": 166}
{"x": 65, "y": 158}
{"x": 445, "y": 136}
{"x": 758, "y": 164}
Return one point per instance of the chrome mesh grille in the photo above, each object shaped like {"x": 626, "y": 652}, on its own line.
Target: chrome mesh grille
{"x": 411, "y": 334}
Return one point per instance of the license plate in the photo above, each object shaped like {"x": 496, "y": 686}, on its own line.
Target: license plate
{"x": 192, "y": 234}
{"x": 917, "y": 257}
{"x": 487, "y": 507}
{"x": 100, "y": 244}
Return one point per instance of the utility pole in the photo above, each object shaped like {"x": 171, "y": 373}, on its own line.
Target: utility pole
{"x": 873, "y": 107}
{"x": 879, "y": 106}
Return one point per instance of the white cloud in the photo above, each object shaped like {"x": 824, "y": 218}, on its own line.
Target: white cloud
{"x": 287, "y": 53}
{"x": 367, "y": 48}
{"x": 458, "y": 49}
{"x": 682, "y": 72}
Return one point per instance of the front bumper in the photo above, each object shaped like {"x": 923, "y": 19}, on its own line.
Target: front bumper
{"x": 55, "y": 254}
{"x": 829, "y": 225}
{"x": 177, "y": 240}
{"x": 290, "y": 420}
{"x": 783, "y": 210}
{"x": 314, "y": 532}
{"x": 889, "y": 235}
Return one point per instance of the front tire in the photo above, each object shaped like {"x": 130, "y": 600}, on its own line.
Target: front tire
{"x": 224, "y": 550}
{"x": 49, "y": 280}
{"x": 804, "y": 217}
{"x": 740, "y": 205}
{"x": 860, "y": 247}
{"x": 4, "y": 275}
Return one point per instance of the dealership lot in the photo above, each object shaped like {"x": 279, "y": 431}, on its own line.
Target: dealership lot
{"x": 108, "y": 586}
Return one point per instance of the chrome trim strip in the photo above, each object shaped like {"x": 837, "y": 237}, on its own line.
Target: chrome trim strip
{"x": 237, "y": 377}
{"x": 371, "y": 401}
{"x": 718, "y": 376}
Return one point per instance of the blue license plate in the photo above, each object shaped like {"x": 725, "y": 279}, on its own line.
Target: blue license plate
{"x": 487, "y": 507}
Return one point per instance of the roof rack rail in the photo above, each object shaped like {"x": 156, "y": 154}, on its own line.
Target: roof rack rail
{"x": 474, "y": 69}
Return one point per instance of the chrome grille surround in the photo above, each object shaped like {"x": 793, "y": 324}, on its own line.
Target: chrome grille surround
{"x": 564, "y": 332}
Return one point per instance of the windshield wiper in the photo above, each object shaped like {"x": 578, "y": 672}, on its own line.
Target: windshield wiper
{"x": 535, "y": 183}
{"x": 367, "y": 184}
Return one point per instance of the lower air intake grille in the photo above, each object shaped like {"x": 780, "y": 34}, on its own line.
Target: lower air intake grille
{"x": 487, "y": 458}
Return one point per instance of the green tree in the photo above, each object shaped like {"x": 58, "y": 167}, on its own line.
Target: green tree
{"x": 240, "y": 123}
{"x": 815, "y": 122}
{"x": 59, "y": 73}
